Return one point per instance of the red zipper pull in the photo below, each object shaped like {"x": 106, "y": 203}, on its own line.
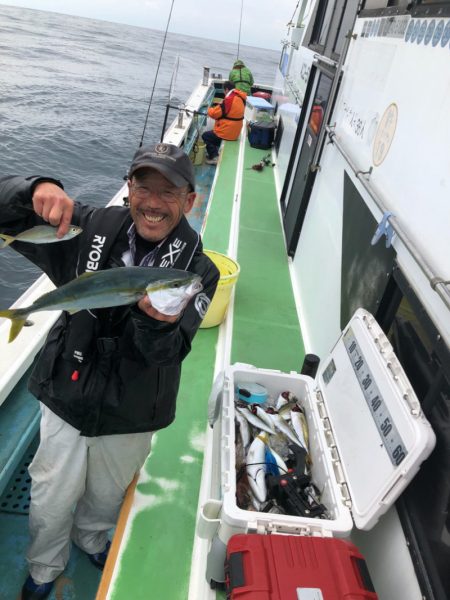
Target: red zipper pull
{"x": 75, "y": 375}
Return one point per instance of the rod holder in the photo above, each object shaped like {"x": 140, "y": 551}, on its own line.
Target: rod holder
{"x": 205, "y": 76}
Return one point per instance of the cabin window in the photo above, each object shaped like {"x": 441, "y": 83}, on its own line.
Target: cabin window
{"x": 322, "y": 23}
{"x": 300, "y": 177}
{"x": 431, "y": 8}
{"x": 284, "y": 61}
{"x": 419, "y": 7}
{"x": 424, "y": 506}
{"x": 380, "y": 4}
{"x": 330, "y": 25}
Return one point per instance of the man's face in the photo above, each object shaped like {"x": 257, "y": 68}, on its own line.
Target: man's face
{"x": 156, "y": 205}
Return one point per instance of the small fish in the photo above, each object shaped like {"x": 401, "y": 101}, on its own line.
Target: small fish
{"x": 261, "y": 414}
{"x": 256, "y": 470}
{"x": 252, "y": 419}
{"x": 41, "y": 234}
{"x": 101, "y": 289}
{"x": 280, "y": 424}
{"x": 285, "y": 410}
{"x": 284, "y": 398}
{"x": 244, "y": 429}
{"x": 300, "y": 425}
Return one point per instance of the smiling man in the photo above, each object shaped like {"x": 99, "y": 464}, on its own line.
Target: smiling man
{"x": 106, "y": 379}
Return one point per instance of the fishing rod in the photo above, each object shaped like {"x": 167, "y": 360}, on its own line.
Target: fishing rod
{"x": 156, "y": 75}
{"x": 240, "y": 25}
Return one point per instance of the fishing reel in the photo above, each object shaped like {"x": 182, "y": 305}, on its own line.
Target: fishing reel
{"x": 293, "y": 492}
{"x": 266, "y": 161}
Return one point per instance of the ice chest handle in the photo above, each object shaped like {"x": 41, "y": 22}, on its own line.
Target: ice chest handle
{"x": 209, "y": 519}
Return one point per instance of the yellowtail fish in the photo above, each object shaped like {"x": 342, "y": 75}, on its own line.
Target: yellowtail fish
{"x": 103, "y": 289}
{"x": 244, "y": 429}
{"x": 256, "y": 471}
{"x": 261, "y": 414}
{"x": 285, "y": 409}
{"x": 41, "y": 234}
{"x": 300, "y": 425}
{"x": 282, "y": 426}
{"x": 253, "y": 419}
{"x": 284, "y": 398}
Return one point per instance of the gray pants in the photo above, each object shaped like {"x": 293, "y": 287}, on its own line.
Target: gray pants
{"x": 78, "y": 485}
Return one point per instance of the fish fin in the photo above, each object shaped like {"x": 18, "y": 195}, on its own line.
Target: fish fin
{"x": 17, "y": 322}
{"x": 8, "y": 239}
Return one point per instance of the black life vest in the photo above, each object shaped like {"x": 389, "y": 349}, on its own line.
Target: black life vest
{"x": 100, "y": 234}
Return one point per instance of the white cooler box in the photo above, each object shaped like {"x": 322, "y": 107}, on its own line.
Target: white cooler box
{"x": 256, "y": 107}
{"x": 367, "y": 439}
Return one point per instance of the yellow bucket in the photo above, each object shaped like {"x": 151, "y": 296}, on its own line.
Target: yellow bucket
{"x": 229, "y": 273}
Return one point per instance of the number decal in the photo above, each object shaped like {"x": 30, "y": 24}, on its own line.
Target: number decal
{"x": 398, "y": 455}
{"x": 366, "y": 382}
{"x": 359, "y": 363}
{"x": 389, "y": 435}
{"x": 386, "y": 427}
{"x": 376, "y": 403}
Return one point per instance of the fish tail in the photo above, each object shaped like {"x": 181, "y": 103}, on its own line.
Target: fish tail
{"x": 8, "y": 239}
{"x": 18, "y": 320}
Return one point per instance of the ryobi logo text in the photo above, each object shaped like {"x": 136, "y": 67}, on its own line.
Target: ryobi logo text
{"x": 95, "y": 252}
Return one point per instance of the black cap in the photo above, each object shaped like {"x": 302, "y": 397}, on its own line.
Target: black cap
{"x": 169, "y": 160}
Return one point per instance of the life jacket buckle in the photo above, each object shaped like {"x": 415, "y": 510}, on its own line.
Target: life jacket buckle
{"x": 106, "y": 345}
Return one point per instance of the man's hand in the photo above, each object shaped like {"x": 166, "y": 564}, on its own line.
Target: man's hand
{"x": 53, "y": 204}
{"x": 146, "y": 306}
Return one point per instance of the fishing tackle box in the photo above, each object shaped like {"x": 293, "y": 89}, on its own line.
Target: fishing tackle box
{"x": 283, "y": 567}
{"x": 367, "y": 439}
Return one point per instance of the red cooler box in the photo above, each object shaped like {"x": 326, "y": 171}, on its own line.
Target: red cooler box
{"x": 291, "y": 567}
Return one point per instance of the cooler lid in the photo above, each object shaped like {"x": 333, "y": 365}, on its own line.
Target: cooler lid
{"x": 379, "y": 430}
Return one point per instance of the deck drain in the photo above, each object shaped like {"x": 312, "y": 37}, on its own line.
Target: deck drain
{"x": 16, "y": 497}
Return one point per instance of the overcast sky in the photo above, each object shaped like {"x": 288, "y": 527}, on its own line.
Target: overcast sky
{"x": 263, "y": 21}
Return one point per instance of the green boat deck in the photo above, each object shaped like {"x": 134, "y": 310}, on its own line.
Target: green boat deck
{"x": 155, "y": 536}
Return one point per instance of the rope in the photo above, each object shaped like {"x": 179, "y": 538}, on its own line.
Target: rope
{"x": 156, "y": 75}
{"x": 240, "y": 25}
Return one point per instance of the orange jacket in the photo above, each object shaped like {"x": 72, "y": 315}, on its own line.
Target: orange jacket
{"x": 229, "y": 115}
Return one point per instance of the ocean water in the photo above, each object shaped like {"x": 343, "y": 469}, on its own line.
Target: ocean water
{"x": 74, "y": 94}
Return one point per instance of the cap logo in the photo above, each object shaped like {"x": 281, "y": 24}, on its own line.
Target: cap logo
{"x": 162, "y": 148}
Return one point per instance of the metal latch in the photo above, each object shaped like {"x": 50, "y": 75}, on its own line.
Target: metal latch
{"x": 384, "y": 228}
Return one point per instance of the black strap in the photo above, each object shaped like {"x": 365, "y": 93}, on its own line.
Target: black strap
{"x": 177, "y": 251}
{"x": 224, "y": 115}
{"x": 99, "y": 234}
{"x": 179, "y": 247}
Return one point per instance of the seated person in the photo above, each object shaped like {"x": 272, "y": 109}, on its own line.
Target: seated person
{"x": 228, "y": 116}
